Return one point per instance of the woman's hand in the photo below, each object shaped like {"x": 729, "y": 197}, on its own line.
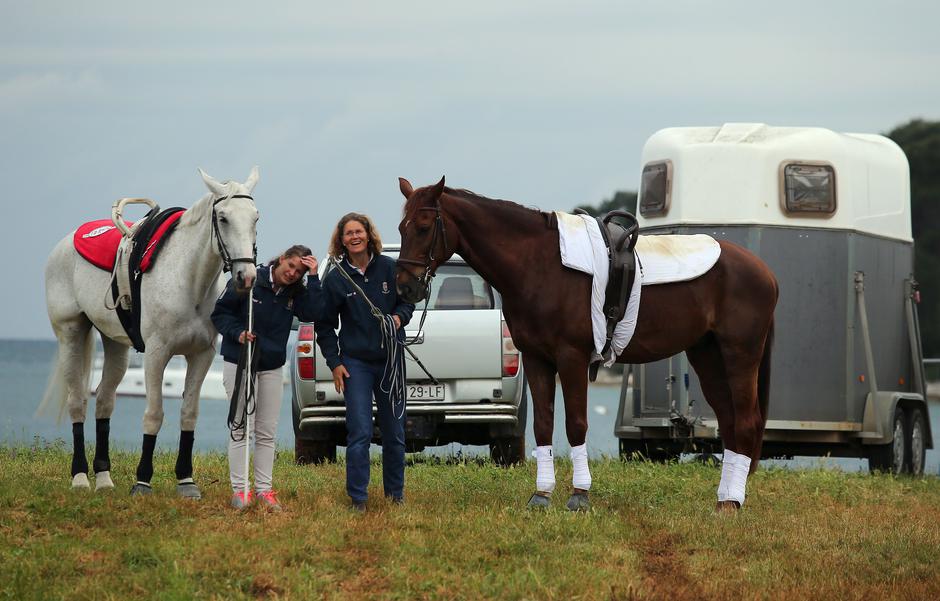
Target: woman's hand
{"x": 310, "y": 262}
{"x": 339, "y": 372}
{"x": 246, "y": 334}
{"x": 397, "y": 321}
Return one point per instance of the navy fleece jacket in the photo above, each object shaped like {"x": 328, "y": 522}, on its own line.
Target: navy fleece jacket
{"x": 360, "y": 336}
{"x": 274, "y": 314}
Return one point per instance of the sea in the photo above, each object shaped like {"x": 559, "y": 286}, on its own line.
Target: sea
{"x": 25, "y": 367}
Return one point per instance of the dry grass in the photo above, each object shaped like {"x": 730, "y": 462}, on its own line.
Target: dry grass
{"x": 465, "y": 534}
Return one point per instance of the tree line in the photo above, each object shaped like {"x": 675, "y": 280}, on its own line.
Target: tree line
{"x": 920, "y": 141}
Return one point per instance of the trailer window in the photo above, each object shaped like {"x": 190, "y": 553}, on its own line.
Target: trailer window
{"x": 809, "y": 188}
{"x": 656, "y": 189}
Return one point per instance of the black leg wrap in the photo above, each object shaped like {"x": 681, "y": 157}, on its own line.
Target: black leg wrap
{"x": 102, "y": 461}
{"x": 79, "y": 461}
{"x": 145, "y": 467}
{"x": 184, "y": 461}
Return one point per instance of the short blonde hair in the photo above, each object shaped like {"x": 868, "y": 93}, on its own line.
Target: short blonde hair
{"x": 336, "y": 241}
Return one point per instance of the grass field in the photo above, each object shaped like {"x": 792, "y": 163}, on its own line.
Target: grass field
{"x": 465, "y": 533}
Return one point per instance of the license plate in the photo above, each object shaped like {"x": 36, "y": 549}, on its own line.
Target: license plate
{"x": 425, "y": 392}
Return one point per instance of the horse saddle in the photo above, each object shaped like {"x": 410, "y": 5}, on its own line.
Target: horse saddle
{"x": 127, "y": 258}
{"x": 620, "y": 238}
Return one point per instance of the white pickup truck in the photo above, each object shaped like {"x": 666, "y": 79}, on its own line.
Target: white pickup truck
{"x": 479, "y": 397}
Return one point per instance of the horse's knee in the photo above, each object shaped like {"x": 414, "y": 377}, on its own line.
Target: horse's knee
{"x": 153, "y": 420}
{"x": 104, "y": 406}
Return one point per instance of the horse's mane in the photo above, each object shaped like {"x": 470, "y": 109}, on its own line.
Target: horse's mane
{"x": 464, "y": 194}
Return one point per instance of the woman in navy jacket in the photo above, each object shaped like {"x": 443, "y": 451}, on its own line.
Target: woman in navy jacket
{"x": 279, "y": 294}
{"x": 357, "y": 357}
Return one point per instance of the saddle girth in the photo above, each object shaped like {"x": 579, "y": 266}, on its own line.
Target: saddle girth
{"x": 620, "y": 241}
{"x": 125, "y": 285}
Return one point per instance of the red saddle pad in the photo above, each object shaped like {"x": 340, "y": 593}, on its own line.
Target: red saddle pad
{"x": 97, "y": 241}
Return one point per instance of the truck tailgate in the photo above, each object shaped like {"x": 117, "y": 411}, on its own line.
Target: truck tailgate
{"x": 457, "y": 344}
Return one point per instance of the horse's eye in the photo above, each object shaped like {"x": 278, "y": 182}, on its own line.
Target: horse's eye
{"x": 223, "y": 220}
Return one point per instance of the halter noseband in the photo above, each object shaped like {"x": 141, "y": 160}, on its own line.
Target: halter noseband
{"x": 439, "y": 232}
{"x": 227, "y": 260}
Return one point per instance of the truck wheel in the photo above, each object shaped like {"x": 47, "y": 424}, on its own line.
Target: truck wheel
{"x": 916, "y": 435}
{"x": 506, "y": 451}
{"x": 891, "y": 458}
{"x": 313, "y": 451}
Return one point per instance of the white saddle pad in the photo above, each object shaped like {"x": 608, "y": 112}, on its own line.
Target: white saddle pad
{"x": 662, "y": 259}
{"x": 670, "y": 258}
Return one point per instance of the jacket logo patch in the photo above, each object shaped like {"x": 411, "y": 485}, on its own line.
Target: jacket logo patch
{"x": 384, "y": 287}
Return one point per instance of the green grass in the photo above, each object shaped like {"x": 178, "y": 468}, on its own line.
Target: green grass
{"x": 465, "y": 534}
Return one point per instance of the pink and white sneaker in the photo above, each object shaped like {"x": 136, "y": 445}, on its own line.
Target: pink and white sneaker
{"x": 240, "y": 501}
{"x": 268, "y": 500}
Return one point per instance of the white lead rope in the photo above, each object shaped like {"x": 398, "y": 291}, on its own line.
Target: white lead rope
{"x": 249, "y": 387}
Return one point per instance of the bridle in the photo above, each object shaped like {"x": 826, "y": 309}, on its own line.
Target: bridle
{"x": 439, "y": 233}
{"x": 227, "y": 260}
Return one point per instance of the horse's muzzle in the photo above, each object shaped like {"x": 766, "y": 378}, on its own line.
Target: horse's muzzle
{"x": 245, "y": 278}
{"x": 412, "y": 290}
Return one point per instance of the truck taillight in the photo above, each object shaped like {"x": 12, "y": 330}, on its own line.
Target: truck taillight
{"x": 306, "y": 367}
{"x": 510, "y": 354}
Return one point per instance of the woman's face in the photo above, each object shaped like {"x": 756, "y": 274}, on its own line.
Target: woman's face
{"x": 355, "y": 238}
{"x": 288, "y": 271}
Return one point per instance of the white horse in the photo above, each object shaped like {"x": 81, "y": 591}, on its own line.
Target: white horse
{"x": 177, "y": 294}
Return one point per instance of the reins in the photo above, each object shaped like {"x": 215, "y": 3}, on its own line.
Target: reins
{"x": 245, "y": 374}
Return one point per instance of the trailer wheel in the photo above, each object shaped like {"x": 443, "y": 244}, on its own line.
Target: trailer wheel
{"x": 892, "y": 458}
{"x": 646, "y": 450}
{"x": 313, "y": 451}
{"x": 916, "y": 434}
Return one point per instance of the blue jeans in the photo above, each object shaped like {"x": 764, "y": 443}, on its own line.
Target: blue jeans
{"x": 364, "y": 381}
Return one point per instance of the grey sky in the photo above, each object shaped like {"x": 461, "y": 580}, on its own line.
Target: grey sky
{"x": 544, "y": 103}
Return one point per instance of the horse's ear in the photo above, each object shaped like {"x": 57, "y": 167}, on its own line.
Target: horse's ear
{"x": 405, "y": 186}
{"x": 252, "y": 179}
{"x": 438, "y": 188}
{"x": 214, "y": 186}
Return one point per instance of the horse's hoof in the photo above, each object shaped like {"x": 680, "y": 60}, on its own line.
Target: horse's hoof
{"x": 727, "y": 507}
{"x": 80, "y": 481}
{"x": 189, "y": 490}
{"x": 579, "y": 502}
{"x": 540, "y": 501}
{"x": 103, "y": 481}
{"x": 141, "y": 490}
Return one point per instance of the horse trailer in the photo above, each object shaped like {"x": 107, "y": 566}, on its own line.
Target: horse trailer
{"x": 830, "y": 214}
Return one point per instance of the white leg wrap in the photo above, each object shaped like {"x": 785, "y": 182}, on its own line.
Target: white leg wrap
{"x": 581, "y": 478}
{"x": 734, "y": 470}
{"x": 545, "y": 476}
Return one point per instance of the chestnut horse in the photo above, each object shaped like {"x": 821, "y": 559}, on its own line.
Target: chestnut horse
{"x": 723, "y": 320}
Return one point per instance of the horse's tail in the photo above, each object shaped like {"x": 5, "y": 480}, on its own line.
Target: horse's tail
{"x": 56, "y": 395}
{"x": 763, "y": 388}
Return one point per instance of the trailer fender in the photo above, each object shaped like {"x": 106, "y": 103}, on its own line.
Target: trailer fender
{"x": 877, "y": 427}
